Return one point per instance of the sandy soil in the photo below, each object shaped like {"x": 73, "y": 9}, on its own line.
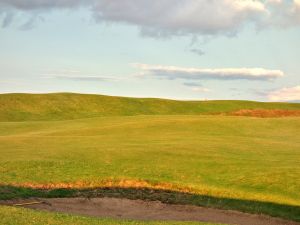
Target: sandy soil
{"x": 147, "y": 210}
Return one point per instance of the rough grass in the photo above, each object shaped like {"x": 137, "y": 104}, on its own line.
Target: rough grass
{"x": 61, "y": 106}
{"x": 265, "y": 113}
{"x": 222, "y": 157}
{"x": 19, "y": 216}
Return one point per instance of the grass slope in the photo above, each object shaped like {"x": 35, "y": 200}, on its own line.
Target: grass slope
{"x": 19, "y": 216}
{"x": 219, "y": 156}
{"x": 60, "y": 106}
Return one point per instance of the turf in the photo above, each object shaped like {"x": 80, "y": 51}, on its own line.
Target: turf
{"x": 250, "y": 164}
{"x": 61, "y": 106}
{"x": 188, "y": 152}
{"x": 18, "y": 216}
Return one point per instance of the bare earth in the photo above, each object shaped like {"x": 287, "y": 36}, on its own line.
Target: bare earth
{"x": 146, "y": 210}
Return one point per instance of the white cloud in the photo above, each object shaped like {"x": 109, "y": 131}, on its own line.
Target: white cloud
{"x": 176, "y": 17}
{"x": 285, "y": 94}
{"x": 172, "y": 72}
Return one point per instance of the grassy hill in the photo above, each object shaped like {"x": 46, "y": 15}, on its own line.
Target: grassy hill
{"x": 153, "y": 149}
{"x": 61, "y": 106}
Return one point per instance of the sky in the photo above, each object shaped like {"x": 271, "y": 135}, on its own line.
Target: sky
{"x": 176, "y": 49}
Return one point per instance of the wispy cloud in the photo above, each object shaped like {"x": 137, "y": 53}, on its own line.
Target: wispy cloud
{"x": 192, "y": 84}
{"x": 8, "y": 18}
{"x": 197, "y": 51}
{"x": 201, "y": 89}
{"x": 195, "y": 86}
{"x": 78, "y": 76}
{"x": 173, "y": 72}
{"x": 285, "y": 94}
{"x": 31, "y": 22}
{"x": 43, "y": 5}
{"x": 84, "y": 78}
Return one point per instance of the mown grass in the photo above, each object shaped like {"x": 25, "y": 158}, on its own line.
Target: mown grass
{"x": 61, "y": 106}
{"x": 253, "y": 160}
{"x": 19, "y": 216}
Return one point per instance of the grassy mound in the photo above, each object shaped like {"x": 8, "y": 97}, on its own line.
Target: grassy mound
{"x": 61, "y": 106}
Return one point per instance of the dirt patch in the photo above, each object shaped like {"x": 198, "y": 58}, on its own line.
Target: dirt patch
{"x": 145, "y": 210}
{"x": 264, "y": 113}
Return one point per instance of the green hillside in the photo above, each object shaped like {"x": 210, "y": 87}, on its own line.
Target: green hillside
{"x": 154, "y": 149}
{"x": 61, "y": 106}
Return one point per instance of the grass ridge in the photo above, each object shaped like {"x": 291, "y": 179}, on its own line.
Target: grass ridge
{"x": 62, "y": 106}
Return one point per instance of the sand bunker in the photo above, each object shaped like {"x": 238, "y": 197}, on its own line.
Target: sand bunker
{"x": 146, "y": 210}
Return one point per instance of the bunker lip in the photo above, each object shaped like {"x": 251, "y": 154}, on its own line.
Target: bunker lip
{"x": 121, "y": 208}
{"x": 12, "y": 193}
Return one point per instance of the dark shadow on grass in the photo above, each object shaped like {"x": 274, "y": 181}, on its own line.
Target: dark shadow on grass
{"x": 289, "y": 212}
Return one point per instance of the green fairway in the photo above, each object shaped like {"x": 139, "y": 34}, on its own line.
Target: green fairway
{"x": 250, "y": 164}
{"x": 17, "y": 216}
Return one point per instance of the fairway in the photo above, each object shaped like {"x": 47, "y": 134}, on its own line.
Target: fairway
{"x": 242, "y": 163}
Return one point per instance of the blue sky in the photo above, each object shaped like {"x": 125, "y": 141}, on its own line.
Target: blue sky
{"x": 179, "y": 49}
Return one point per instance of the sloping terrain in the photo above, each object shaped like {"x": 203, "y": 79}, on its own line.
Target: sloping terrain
{"x": 62, "y": 106}
{"x": 219, "y": 154}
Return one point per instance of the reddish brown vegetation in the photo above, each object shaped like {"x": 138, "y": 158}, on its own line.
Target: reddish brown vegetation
{"x": 264, "y": 113}
{"x": 139, "y": 184}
